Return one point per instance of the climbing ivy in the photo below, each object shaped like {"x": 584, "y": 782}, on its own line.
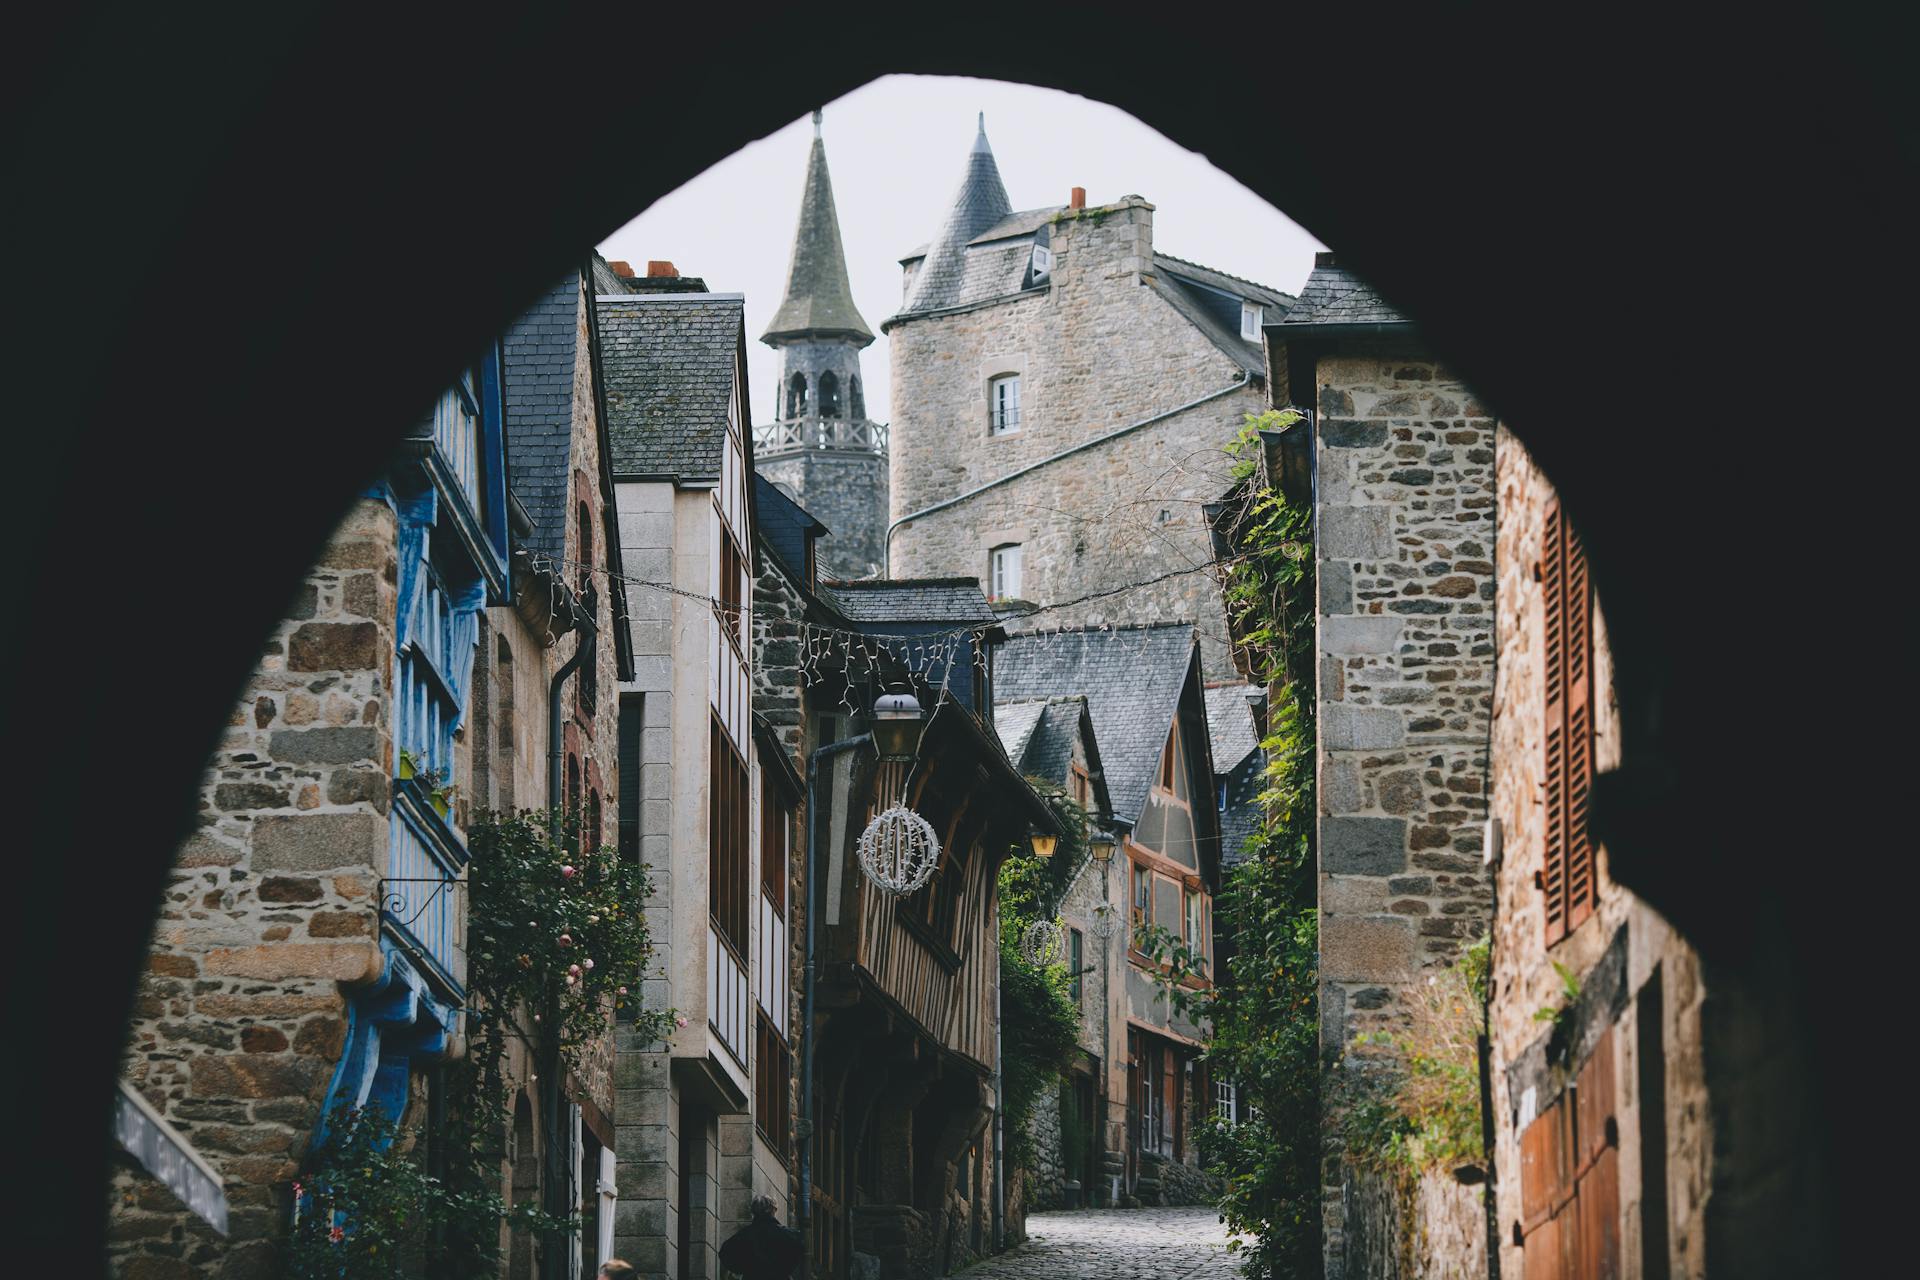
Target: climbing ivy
{"x": 1265, "y": 1008}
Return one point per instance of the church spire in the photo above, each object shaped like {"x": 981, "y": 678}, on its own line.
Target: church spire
{"x": 980, "y": 202}
{"x": 819, "y": 300}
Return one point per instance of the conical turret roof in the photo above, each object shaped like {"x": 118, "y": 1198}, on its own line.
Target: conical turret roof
{"x": 980, "y": 202}
{"x": 819, "y": 300}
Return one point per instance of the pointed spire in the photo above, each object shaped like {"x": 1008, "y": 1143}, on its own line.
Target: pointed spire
{"x": 819, "y": 299}
{"x": 980, "y": 202}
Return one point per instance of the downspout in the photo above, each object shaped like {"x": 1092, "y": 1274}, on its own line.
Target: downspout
{"x": 810, "y": 975}
{"x": 558, "y": 1180}
{"x": 886, "y": 546}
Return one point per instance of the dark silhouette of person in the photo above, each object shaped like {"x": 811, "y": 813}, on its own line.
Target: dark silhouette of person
{"x": 763, "y": 1249}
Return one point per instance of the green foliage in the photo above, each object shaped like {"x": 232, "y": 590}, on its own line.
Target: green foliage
{"x": 554, "y": 938}
{"x": 369, "y": 1209}
{"x": 1425, "y": 1114}
{"x": 1569, "y": 993}
{"x": 1265, "y": 1007}
{"x": 1039, "y": 1018}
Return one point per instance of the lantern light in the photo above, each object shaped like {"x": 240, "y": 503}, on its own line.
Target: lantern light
{"x": 898, "y": 720}
{"x": 1044, "y": 842}
{"x": 1102, "y": 843}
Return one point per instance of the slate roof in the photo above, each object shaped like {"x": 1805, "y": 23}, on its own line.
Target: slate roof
{"x": 911, "y": 600}
{"x": 1241, "y": 816}
{"x": 537, "y": 385}
{"x": 1132, "y": 678}
{"x": 1015, "y": 723}
{"x": 980, "y": 204}
{"x": 1230, "y": 726}
{"x": 1335, "y": 296}
{"x": 1211, "y": 301}
{"x": 783, "y": 525}
{"x": 670, "y": 361}
{"x": 819, "y": 299}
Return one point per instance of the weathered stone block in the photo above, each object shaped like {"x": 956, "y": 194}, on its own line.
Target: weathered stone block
{"x": 322, "y": 1037}
{"x": 341, "y": 924}
{"x": 346, "y": 745}
{"x": 1351, "y": 433}
{"x": 1368, "y": 950}
{"x": 334, "y": 646}
{"x": 360, "y": 786}
{"x": 237, "y": 796}
{"x": 1361, "y": 635}
{"x": 1363, "y": 846}
{"x": 1336, "y": 588}
{"x": 317, "y": 841}
{"x": 246, "y": 1075}
{"x": 1350, "y": 728}
{"x": 1340, "y": 790}
{"x": 1356, "y": 533}
{"x": 273, "y": 962}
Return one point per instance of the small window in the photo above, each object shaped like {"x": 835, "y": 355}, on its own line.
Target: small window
{"x": 829, "y": 394}
{"x": 1250, "y": 318}
{"x": 1004, "y": 566}
{"x": 1042, "y": 262}
{"x": 1003, "y": 395}
{"x": 1142, "y": 893}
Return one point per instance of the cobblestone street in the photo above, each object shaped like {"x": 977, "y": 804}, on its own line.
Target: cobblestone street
{"x": 1116, "y": 1244}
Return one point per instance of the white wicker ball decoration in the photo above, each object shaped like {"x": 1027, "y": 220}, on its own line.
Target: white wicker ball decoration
{"x": 1043, "y": 943}
{"x": 899, "y": 851}
{"x": 1106, "y": 921}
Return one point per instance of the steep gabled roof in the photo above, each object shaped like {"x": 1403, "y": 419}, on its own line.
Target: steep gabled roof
{"x": 980, "y": 204}
{"x": 1334, "y": 296}
{"x": 1015, "y": 722}
{"x": 782, "y": 525}
{"x": 1211, "y": 302}
{"x": 1230, "y": 726}
{"x": 911, "y": 600}
{"x": 538, "y": 352}
{"x": 1132, "y": 678}
{"x": 819, "y": 298}
{"x": 671, "y": 360}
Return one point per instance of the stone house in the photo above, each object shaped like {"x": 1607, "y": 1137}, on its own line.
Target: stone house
{"x": 1603, "y": 1124}
{"x": 1404, "y": 507}
{"x": 1053, "y": 739}
{"x": 312, "y": 953}
{"x": 1062, "y": 393}
{"x": 695, "y": 1112}
{"x": 1145, "y": 702}
{"x": 820, "y": 447}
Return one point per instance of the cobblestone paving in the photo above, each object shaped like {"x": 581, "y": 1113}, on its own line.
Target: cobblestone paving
{"x": 1116, "y": 1244}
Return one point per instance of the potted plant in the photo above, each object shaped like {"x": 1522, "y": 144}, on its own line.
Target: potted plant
{"x": 409, "y": 763}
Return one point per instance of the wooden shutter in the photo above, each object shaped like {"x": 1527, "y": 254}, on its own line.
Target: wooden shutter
{"x": 1567, "y": 878}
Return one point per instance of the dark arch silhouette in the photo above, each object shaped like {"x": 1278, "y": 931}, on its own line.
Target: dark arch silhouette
{"x": 238, "y": 271}
{"x": 829, "y": 394}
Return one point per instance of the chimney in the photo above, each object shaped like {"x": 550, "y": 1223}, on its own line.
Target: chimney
{"x": 622, "y": 269}
{"x": 1324, "y": 259}
{"x": 1078, "y": 200}
{"x": 657, "y": 269}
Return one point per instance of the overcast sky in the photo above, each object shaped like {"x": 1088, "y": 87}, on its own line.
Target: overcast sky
{"x": 897, "y": 148}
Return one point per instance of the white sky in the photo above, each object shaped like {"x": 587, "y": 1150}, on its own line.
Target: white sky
{"x": 897, "y": 148}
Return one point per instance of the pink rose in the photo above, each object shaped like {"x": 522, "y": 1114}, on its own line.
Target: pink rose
{"x": 680, "y": 1022}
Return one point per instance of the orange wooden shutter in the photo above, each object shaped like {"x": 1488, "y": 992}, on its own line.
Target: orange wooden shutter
{"x": 1582, "y": 892}
{"x": 1553, "y": 583}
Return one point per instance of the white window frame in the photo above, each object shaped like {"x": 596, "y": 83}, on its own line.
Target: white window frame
{"x": 1042, "y": 261}
{"x": 1003, "y": 410}
{"x": 1252, "y": 314}
{"x": 1002, "y": 585}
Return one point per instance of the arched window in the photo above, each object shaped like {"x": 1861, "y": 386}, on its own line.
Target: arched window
{"x": 858, "y": 397}
{"x": 829, "y": 395}
{"x": 797, "y": 396}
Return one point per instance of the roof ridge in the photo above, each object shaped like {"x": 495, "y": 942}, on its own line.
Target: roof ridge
{"x": 1228, "y": 274}
{"x": 1114, "y": 627}
{"x": 641, "y": 298}
{"x": 959, "y": 581}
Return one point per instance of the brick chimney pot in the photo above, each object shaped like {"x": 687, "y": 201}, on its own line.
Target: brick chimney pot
{"x": 657, "y": 268}
{"x": 1079, "y": 198}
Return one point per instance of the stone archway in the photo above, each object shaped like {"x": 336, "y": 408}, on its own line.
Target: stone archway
{"x": 1546, "y": 221}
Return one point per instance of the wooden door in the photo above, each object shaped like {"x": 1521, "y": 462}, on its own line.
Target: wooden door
{"x": 1570, "y": 1179}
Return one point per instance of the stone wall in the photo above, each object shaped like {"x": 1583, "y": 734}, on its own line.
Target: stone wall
{"x": 1656, "y": 1021}
{"x": 1405, "y": 595}
{"x": 1096, "y": 351}
{"x": 271, "y": 907}
{"x": 1403, "y": 1226}
{"x": 845, "y": 491}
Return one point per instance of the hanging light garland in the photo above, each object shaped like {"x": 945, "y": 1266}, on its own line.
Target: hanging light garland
{"x": 899, "y": 850}
{"x": 1043, "y": 943}
{"x": 1106, "y": 921}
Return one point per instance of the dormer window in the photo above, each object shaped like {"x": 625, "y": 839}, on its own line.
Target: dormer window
{"x": 1003, "y": 400}
{"x": 1251, "y": 314}
{"x": 1042, "y": 262}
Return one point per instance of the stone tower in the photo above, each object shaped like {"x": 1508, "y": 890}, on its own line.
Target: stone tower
{"x": 822, "y": 449}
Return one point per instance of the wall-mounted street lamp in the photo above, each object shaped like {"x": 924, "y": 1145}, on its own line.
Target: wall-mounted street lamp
{"x": 898, "y": 721}
{"x": 1043, "y": 842}
{"x": 1102, "y": 843}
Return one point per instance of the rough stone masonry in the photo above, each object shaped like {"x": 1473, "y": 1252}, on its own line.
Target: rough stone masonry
{"x": 1405, "y": 616}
